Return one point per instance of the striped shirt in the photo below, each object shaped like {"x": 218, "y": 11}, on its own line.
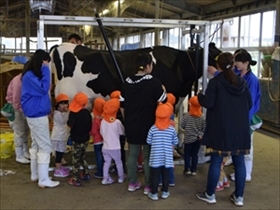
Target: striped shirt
{"x": 162, "y": 142}
{"x": 193, "y": 126}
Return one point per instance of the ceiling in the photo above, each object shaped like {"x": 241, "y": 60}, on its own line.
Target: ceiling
{"x": 12, "y": 12}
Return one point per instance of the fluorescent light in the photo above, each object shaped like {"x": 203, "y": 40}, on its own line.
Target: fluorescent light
{"x": 117, "y": 2}
{"x": 105, "y": 11}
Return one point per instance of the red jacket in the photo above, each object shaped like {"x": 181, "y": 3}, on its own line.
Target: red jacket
{"x": 95, "y": 130}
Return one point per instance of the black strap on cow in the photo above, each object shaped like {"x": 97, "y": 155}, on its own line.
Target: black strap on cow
{"x": 98, "y": 19}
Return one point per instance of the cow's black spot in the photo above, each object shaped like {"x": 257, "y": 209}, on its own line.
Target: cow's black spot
{"x": 57, "y": 63}
{"x": 69, "y": 62}
{"x": 93, "y": 64}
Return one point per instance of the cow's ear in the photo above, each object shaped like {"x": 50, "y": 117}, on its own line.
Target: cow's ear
{"x": 82, "y": 52}
{"x": 57, "y": 63}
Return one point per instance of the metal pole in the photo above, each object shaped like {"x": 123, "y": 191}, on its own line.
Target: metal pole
{"x": 108, "y": 45}
{"x": 277, "y": 25}
{"x": 197, "y": 46}
{"x": 40, "y": 34}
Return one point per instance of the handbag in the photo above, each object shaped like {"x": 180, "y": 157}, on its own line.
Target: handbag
{"x": 8, "y": 111}
{"x": 256, "y": 122}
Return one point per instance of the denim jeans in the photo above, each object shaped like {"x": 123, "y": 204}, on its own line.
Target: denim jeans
{"x": 98, "y": 158}
{"x": 214, "y": 173}
{"x": 134, "y": 150}
{"x": 191, "y": 151}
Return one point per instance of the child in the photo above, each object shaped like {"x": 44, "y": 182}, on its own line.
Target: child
{"x": 194, "y": 124}
{"x": 111, "y": 128}
{"x": 80, "y": 122}
{"x": 116, "y": 94}
{"x": 97, "y": 138}
{"x": 59, "y": 133}
{"x": 171, "y": 99}
{"x": 223, "y": 180}
{"x": 162, "y": 137}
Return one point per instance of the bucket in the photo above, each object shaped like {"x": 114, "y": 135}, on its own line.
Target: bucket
{"x": 6, "y": 145}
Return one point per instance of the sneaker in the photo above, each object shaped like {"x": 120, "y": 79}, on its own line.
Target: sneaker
{"x": 85, "y": 177}
{"x": 60, "y": 173}
{"x": 165, "y": 195}
{"x": 226, "y": 184}
{"x": 107, "y": 181}
{"x": 237, "y": 201}
{"x": 65, "y": 169}
{"x": 154, "y": 197}
{"x": 134, "y": 186}
{"x": 171, "y": 184}
{"x": 74, "y": 182}
{"x": 193, "y": 173}
{"x": 188, "y": 172}
{"x": 140, "y": 169}
{"x": 219, "y": 188}
{"x": 97, "y": 176}
{"x": 204, "y": 197}
{"x": 147, "y": 190}
{"x": 121, "y": 179}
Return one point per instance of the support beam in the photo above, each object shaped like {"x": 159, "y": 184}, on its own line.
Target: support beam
{"x": 157, "y": 14}
{"x": 27, "y": 27}
{"x": 185, "y": 6}
{"x": 138, "y": 13}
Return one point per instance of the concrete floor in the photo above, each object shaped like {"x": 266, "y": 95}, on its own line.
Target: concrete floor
{"x": 17, "y": 192}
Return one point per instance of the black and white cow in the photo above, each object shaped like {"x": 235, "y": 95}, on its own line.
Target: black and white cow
{"x": 78, "y": 68}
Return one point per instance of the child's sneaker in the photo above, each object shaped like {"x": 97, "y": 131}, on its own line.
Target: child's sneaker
{"x": 107, "y": 181}
{"x": 134, "y": 186}
{"x": 193, "y": 173}
{"x": 74, "y": 182}
{"x": 147, "y": 190}
{"x": 97, "y": 176}
{"x": 219, "y": 188}
{"x": 121, "y": 179}
{"x": 165, "y": 195}
{"x": 207, "y": 198}
{"x": 60, "y": 173}
{"x": 85, "y": 177}
{"x": 65, "y": 169}
{"x": 226, "y": 184}
{"x": 154, "y": 197}
{"x": 140, "y": 169}
{"x": 237, "y": 201}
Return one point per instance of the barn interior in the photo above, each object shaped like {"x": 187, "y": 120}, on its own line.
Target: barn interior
{"x": 250, "y": 24}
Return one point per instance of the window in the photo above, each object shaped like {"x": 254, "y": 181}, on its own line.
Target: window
{"x": 215, "y": 34}
{"x": 230, "y": 33}
{"x": 174, "y": 38}
{"x": 268, "y": 27}
{"x": 149, "y": 39}
{"x": 250, "y": 30}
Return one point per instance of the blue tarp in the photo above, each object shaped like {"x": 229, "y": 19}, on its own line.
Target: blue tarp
{"x": 130, "y": 46}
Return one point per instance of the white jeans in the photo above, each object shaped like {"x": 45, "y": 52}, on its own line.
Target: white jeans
{"x": 40, "y": 134}
{"x": 20, "y": 128}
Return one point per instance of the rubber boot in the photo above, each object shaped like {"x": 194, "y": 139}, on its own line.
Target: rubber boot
{"x": 25, "y": 151}
{"x": 249, "y": 167}
{"x": 43, "y": 171}
{"x": 19, "y": 156}
{"x": 33, "y": 165}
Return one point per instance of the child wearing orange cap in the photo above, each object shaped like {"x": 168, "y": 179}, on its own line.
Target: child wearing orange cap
{"x": 194, "y": 125}
{"x": 59, "y": 133}
{"x": 162, "y": 137}
{"x": 116, "y": 94}
{"x": 80, "y": 122}
{"x": 98, "y": 104}
{"x": 111, "y": 128}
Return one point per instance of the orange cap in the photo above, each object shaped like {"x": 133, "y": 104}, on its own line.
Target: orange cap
{"x": 194, "y": 107}
{"x": 115, "y": 94}
{"x": 79, "y": 101}
{"x": 110, "y": 110}
{"x": 171, "y": 98}
{"x": 163, "y": 114}
{"x": 61, "y": 97}
{"x": 98, "y": 104}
